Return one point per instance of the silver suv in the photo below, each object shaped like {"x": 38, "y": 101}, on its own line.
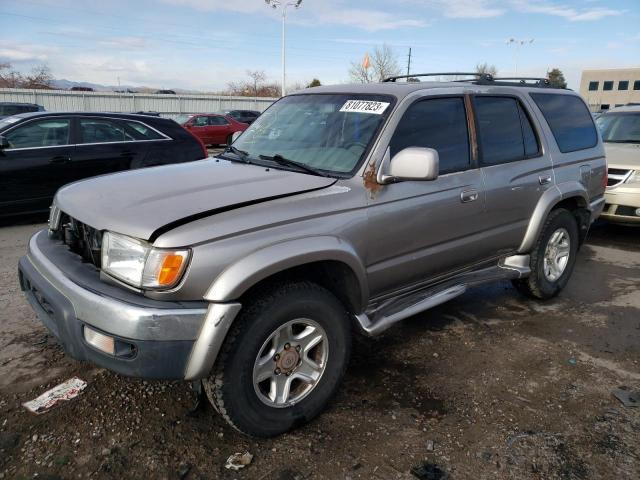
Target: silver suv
{"x": 341, "y": 206}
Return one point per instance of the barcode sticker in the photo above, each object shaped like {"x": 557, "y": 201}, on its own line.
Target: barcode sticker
{"x": 364, "y": 106}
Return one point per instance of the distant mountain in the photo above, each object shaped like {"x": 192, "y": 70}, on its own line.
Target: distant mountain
{"x": 64, "y": 84}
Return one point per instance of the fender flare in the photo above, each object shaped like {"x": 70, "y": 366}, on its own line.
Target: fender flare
{"x": 548, "y": 200}
{"x": 238, "y": 277}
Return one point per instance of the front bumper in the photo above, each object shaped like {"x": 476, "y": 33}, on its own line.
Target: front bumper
{"x": 621, "y": 205}
{"x": 162, "y": 335}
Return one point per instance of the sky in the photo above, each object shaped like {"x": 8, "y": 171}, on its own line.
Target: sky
{"x": 205, "y": 44}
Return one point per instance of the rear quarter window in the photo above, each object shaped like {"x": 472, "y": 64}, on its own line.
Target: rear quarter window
{"x": 569, "y": 119}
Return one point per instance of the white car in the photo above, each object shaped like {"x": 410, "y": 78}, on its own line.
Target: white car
{"x": 620, "y": 129}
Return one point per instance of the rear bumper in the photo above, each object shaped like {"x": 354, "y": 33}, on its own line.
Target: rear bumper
{"x": 158, "y": 338}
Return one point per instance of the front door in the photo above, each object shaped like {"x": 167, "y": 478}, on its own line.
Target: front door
{"x": 36, "y": 164}
{"x": 423, "y": 229}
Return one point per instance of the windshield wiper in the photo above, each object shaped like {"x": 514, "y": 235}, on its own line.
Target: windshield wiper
{"x": 292, "y": 163}
{"x": 241, "y": 154}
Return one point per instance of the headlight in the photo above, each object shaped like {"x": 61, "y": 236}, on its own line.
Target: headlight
{"x": 138, "y": 264}
{"x": 634, "y": 177}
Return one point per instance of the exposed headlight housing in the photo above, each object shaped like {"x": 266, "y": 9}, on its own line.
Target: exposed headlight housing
{"x": 634, "y": 177}
{"x": 140, "y": 265}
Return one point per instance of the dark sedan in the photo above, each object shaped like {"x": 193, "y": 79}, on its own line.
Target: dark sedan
{"x": 243, "y": 116}
{"x": 40, "y": 152}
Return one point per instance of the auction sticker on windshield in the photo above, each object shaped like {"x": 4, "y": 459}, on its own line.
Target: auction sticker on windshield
{"x": 364, "y": 106}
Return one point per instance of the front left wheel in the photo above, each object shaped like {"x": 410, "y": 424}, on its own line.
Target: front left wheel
{"x": 282, "y": 360}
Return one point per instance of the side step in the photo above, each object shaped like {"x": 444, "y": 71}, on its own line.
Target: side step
{"x": 381, "y": 316}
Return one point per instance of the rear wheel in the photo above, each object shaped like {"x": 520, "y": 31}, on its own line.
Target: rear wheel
{"x": 229, "y": 140}
{"x": 282, "y": 360}
{"x": 553, "y": 257}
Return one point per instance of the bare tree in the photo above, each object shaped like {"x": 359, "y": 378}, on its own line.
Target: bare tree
{"x": 383, "y": 64}
{"x": 9, "y": 78}
{"x": 258, "y": 77}
{"x": 40, "y": 77}
{"x": 483, "y": 68}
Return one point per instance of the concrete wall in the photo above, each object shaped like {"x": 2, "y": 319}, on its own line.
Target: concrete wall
{"x": 600, "y": 98}
{"x": 166, "y": 105}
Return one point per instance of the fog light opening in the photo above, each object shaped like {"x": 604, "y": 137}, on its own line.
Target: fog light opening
{"x": 102, "y": 342}
{"x": 638, "y": 212}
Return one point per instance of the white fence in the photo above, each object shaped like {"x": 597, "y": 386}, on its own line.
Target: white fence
{"x": 166, "y": 105}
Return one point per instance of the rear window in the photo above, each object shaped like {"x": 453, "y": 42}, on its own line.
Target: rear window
{"x": 569, "y": 119}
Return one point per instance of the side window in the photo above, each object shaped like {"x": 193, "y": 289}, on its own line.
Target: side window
{"x": 217, "y": 121}
{"x": 142, "y": 132}
{"x": 200, "y": 122}
{"x": 100, "y": 130}
{"x": 569, "y": 119}
{"x": 438, "y": 123}
{"x": 531, "y": 145}
{"x": 40, "y": 133}
{"x": 499, "y": 130}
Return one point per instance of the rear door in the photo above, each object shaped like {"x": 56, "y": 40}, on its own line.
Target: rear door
{"x": 36, "y": 164}
{"x": 422, "y": 229}
{"x": 219, "y": 129}
{"x": 514, "y": 169}
{"x": 104, "y": 146}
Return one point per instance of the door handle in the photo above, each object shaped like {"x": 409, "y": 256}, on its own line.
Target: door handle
{"x": 544, "y": 179}
{"x": 468, "y": 196}
{"x": 60, "y": 159}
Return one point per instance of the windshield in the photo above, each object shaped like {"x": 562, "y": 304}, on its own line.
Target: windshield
{"x": 182, "y": 118}
{"x": 325, "y": 132}
{"x": 620, "y": 127}
{"x": 15, "y": 109}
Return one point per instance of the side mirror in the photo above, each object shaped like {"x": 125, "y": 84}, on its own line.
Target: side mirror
{"x": 235, "y": 136}
{"x": 4, "y": 143}
{"x": 414, "y": 163}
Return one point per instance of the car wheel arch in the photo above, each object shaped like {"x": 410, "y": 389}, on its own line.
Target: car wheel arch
{"x": 570, "y": 195}
{"x": 329, "y": 261}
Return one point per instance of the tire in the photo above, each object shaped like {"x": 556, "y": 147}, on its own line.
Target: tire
{"x": 231, "y": 388}
{"x": 544, "y": 285}
{"x": 229, "y": 140}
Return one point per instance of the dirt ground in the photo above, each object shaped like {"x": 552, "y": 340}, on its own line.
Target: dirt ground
{"x": 488, "y": 386}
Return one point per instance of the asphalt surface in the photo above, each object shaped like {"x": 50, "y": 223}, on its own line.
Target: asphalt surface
{"x": 490, "y": 385}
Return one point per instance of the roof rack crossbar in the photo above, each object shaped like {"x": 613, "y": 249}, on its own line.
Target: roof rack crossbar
{"x": 484, "y": 76}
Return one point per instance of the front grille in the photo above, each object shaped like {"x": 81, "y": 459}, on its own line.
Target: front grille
{"x": 82, "y": 239}
{"x": 617, "y": 176}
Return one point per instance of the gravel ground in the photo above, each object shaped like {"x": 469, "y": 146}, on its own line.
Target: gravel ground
{"x": 488, "y": 386}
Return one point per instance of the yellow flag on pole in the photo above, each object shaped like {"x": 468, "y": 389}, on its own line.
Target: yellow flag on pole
{"x": 366, "y": 63}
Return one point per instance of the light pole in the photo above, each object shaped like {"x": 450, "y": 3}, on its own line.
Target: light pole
{"x": 283, "y": 4}
{"x": 518, "y": 43}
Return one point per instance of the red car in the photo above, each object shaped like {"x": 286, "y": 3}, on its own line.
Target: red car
{"x": 211, "y": 128}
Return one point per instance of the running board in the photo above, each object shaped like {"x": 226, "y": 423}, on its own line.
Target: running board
{"x": 381, "y": 316}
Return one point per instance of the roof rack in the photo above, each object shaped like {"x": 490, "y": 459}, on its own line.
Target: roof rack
{"x": 473, "y": 74}
{"x": 485, "y": 79}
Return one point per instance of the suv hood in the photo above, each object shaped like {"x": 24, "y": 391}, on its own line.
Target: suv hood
{"x": 623, "y": 155}
{"x": 145, "y": 203}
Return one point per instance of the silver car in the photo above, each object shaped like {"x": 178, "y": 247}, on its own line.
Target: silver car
{"x": 340, "y": 207}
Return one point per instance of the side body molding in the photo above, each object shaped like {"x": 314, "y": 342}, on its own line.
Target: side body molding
{"x": 548, "y": 200}
{"x": 242, "y": 275}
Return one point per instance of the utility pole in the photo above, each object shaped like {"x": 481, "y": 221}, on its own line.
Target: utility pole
{"x": 282, "y": 4}
{"x": 409, "y": 63}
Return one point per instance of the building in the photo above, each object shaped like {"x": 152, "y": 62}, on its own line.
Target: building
{"x": 605, "y": 89}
